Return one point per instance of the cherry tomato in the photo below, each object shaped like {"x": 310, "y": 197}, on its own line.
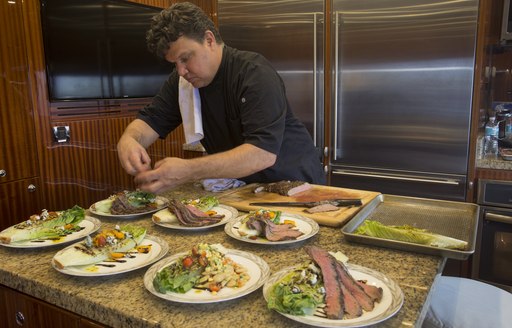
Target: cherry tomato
{"x": 214, "y": 287}
{"x": 187, "y": 262}
{"x": 101, "y": 241}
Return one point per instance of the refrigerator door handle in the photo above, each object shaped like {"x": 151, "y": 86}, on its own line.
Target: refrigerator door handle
{"x": 336, "y": 36}
{"x": 397, "y": 177}
{"x": 315, "y": 79}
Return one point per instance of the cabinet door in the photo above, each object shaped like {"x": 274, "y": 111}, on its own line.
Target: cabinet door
{"x": 19, "y": 200}
{"x": 17, "y": 136}
{"x": 21, "y": 310}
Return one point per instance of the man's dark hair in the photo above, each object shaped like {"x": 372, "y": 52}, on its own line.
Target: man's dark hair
{"x": 181, "y": 19}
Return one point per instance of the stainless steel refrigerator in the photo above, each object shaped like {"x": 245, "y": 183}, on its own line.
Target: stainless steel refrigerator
{"x": 402, "y": 81}
{"x": 403, "y": 72}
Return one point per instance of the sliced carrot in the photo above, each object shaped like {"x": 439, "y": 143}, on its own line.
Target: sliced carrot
{"x": 116, "y": 255}
{"x": 143, "y": 249}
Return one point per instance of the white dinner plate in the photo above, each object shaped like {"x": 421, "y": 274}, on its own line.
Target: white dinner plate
{"x": 173, "y": 223}
{"x": 257, "y": 268}
{"x": 391, "y": 302}
{"x": 159, "y": 248}
{"x": 89, "y": 225}
{"x": 160, "y": 203}
{"x": 307, "y": 226}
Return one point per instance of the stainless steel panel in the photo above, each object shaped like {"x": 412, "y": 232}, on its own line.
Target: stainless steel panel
{"x": 453, "y": 219}
{"x": 400, "y": 182}
{"x": 404, "y": 73}
{"x": 291, "y": 35}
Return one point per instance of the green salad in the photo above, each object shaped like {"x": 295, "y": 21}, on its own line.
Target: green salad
{"x": 299, "y": 292}
{"x": 204, "y": 203}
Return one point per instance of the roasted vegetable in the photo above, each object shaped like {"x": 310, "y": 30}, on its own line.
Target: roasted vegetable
{"x": 408, "y": 234}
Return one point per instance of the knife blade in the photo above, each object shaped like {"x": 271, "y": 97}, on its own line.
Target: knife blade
{"x": 335, "y": 202}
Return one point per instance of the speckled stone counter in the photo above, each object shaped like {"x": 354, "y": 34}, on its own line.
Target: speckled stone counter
{"x": 494, "y": 163}
{"x": 122, "y": 300}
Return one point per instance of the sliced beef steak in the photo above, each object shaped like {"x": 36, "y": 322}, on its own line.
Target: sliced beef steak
{"x": 285, "y": 188}
{"x": 192, "y": 218}
{"x": 374, "y": 292}
{"x": 322, "y": 208}
{"x": 122, "y": 206}
{"x": 272, "y": 231}
{"x": 353, "y": 287}
{"x": 335, "y": 306}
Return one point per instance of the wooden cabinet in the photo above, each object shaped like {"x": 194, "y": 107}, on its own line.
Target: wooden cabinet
{"x": 20, "y": 310}
{"x": 19, "y": 186}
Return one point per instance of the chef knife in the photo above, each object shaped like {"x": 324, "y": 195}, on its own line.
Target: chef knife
{"x": 335, "y": 202}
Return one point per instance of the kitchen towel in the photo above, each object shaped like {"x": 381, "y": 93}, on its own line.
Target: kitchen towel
{"x": 218, "y": 185}
{"x": 190, "y": 108}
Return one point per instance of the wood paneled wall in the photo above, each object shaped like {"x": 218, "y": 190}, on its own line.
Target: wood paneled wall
{"x": 17, "y": 135}
{"x": 86, "y": 169}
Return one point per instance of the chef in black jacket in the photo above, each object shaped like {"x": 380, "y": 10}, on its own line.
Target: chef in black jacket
{"x": 250, "y": 132}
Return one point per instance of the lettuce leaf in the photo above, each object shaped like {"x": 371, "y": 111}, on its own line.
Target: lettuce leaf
{"x": 138, "y": 233}
{"x": 295, "y": 294}
{"x": 45, "y": 228}
{"x": 172, "y": 279}
{"x": 204, "y": 203}
{"x": 140, "y": 198}
{"x": 409, "y": 234}
{"x": 104, "y": 206}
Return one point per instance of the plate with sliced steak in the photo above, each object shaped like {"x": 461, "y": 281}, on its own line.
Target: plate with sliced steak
{"x": 182, "y": 216}
{"x": 271, "y": 227}
{"x": 129, "y": 205}
{"x": 326, "y": 292}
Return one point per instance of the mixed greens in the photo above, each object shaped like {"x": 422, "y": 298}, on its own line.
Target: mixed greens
{"x": 140, "y": 198}
{"x": 204, "y": 203}
{"x": 409, "y": 234}
{"x": 131, "y": 200}
{"x": 299, "y": 292}
{"x": 204, "y": 267}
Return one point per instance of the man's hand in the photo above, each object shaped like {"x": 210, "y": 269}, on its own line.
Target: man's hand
{"x": 133, "y": 157}
{"x": 168, "y": 173}
{"x": 238, "y": 162}
{"x": 131, "y": 147}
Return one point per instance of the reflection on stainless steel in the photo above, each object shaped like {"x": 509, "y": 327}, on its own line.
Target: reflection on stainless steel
{"x": 403, "y": 88}
{"x": 290, "y": 34}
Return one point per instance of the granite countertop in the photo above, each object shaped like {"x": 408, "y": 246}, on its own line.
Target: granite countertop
{"x": 496, "y": 163}
{"x": 123, "y": 301}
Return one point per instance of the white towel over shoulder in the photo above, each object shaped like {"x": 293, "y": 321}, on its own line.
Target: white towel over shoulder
{"x": 190, "y": 108}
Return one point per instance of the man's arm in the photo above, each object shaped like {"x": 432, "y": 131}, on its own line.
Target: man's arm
{"x": 131, "y": 147}
{"x": 238, "y": 162}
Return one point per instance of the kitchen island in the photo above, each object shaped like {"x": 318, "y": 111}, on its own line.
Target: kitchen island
{"x": 123, "y": 301}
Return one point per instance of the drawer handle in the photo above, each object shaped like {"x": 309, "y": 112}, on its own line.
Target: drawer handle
{"x": 20, "y": 318}
{"x": 3, "y": 173}
{"x": 31, "y": 188}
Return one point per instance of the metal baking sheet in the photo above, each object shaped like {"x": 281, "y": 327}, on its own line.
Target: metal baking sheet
{"x": 453, "y": 219}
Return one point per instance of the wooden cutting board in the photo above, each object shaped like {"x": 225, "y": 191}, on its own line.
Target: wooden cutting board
{"x": 241, "y": 197}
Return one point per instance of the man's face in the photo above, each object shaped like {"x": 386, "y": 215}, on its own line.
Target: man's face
{"x": 196, "y": 62}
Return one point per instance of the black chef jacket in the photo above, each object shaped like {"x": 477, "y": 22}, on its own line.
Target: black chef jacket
{"x": 245, "y": 103}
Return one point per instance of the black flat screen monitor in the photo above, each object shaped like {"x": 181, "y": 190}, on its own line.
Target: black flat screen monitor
{"x": 96, "y": 49}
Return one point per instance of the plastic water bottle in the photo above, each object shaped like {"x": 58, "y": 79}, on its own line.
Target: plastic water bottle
{"x": 492, "y": 128}
{"x": 491, "y": 149}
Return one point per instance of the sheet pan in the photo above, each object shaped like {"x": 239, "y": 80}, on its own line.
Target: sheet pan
{"x": 454, "y": 219}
